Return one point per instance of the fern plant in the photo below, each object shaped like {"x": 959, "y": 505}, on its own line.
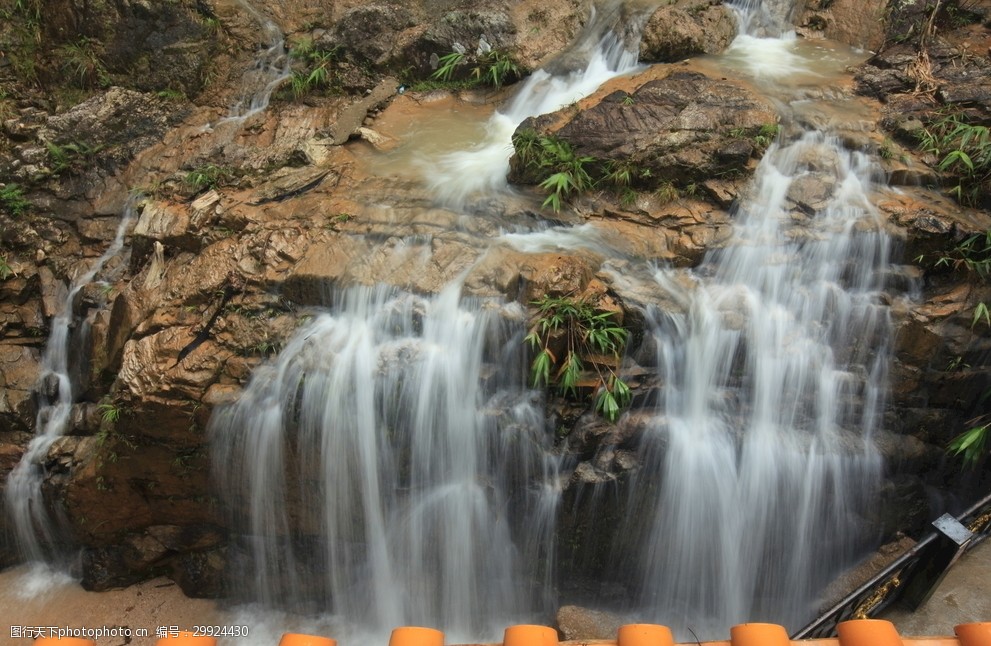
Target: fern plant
{"x": 974, "y": 443}
{"x": 566, "y": 331}
{"x": 12, "y": 199}
{"x": 963, "y": 153}
{"x": 446, "y": 66}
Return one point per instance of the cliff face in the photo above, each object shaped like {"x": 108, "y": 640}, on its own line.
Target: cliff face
{"x": 243, "y": 224}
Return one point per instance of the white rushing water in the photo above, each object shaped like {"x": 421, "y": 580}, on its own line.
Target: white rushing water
{"x": 36, "y": 529}
{"x": 383, "y": 469}
{"x": 760, "y": 460}
{"x": 385, "y": 428}
{"x": 271, "y": 68}
{"x": 773, "y": 384}
{"x": 600, "y": 53}
{"x": 394, "y": 448}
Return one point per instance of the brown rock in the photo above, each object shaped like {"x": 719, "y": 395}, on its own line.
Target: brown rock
{"x": 686, "y": 28}
{"x": 576, "y": 623}
{"x": 682, "y": 128}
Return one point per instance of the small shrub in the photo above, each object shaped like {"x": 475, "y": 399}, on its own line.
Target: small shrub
{"x": 71, "y": 157}
{"x": 493, "y": 68}
{"x": 317, "y": 73}
{"x": 565, "y": 172}
{"x": 973, "y": 444}
{"x": 5, "y": 269}
{"x": 12, "y": 199}
{"x": 586, "y": 333}
{"x": 963, "y": 154}
{"x": 81, "y": 63}
{"x": 446, "y": 66}
{"x": 109, "y": 412}
{"x": 208, "y": 176}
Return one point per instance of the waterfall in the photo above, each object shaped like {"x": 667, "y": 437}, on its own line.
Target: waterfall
{"x": 759, "y": 469}
{"x": 597, "y": 55}
{"x": 773, "y": 384}
{"x": 272, "y": 66}
{"x": 383, "y": 468}
{"x": 37, "y": 528}
{"x": 379, "y": 467}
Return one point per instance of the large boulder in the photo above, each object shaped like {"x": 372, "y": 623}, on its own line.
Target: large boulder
{"x": 686, "y": 28}
{"x": 683, "y": 128}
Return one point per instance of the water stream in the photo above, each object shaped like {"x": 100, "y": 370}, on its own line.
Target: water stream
{"x": 392, "y": 467}
{"x": 387, "y": 429}
{"x": 38, "y": 528}
{"x": 773, "y": 384}
{"x": 422, "y": 473}
{"x": 271, "y": 68}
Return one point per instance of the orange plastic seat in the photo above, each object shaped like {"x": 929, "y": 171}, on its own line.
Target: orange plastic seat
{"x": 416, "y": 636}
{"x": 759, "y": 635}
{"x": 868, "y": 632}
{"x": 976, "y": 634}
{"x": 299, "y": 639}
{"x": 644, "y": 635}
{"x": 529, "y": 635}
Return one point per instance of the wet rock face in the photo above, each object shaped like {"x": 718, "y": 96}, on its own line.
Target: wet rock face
{"x": 684, "y": 128}
{"x": 859, "y": 23}
{"x": 686, "y": 28}
{"x": 115, "y": 125}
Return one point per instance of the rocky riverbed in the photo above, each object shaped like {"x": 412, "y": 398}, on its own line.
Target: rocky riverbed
{"x": 242, "y": 228}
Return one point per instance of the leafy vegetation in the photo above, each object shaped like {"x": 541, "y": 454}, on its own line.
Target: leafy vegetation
{"x": 446, "y": 66}
{"x": 568, "y": 330}
{"x": 70, "y": 157}
{"x": 81, "y": 64}
{"x": 564, "y": 173}
{"x": 6, "y": 271}
{"x": 109, "y": 412}
{"x": 973, "y": 254}
{"x": 12, "y": 199}
{"x": 317, "y": 71}
{"x": 963, "y": 154}
{"x": 761, "y": 137}
{"x": 974, "y": 443}
{"x": 208, "y": 176}
{"x": 492, "y": 68}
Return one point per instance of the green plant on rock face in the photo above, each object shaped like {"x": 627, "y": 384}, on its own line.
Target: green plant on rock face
{"x": 963, "y": 153}
{"x": 109, "y": 412}
{"x": 5, "y": 269}
{"x": 71, "y": 156}
{"x": 446, "y": 66}
{"x": 315, "y": 69}
{"x": 170, "y": 94}
{"x": 208, "y": 176}
{"x": 566, "y": 172}
{"x": 973, "y": 254}
{"x": 574, "y": 329}
{"x": 495, "y": 68}
{"x": 12, "y": 199}
{"x": 974, "y": 443}
{"x": 81, "y": 63}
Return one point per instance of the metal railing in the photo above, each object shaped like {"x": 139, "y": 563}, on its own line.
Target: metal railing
{"x": 911, "y": 578}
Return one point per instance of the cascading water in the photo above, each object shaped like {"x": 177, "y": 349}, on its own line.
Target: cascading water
{"x": 387, "y": 431}
{"x": 597, "y": 55}
{"x": 272, "y": 66}
{"x": 773, "y": 382}
{"x": 37, "y": 530}
{"x": 760, "y": 459}
{"x": 394, "y": 446}
{"x": 382, "y": 468}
